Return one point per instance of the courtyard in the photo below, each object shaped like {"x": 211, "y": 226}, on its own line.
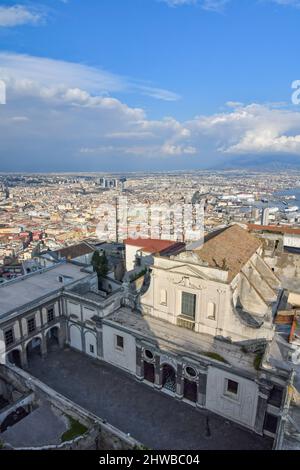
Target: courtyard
{"x": 153, "y": 418}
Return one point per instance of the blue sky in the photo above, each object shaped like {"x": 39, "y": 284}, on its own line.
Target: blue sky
{"x": 147, "y": 84}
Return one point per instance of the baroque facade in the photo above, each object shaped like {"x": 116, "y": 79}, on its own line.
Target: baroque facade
{"x": 197, "y": 330}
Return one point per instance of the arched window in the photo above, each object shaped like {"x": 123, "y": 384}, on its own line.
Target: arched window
{"x": 211, "y": 310}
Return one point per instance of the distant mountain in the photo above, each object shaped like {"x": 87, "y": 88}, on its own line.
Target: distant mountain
{"x": 261, "y": 162}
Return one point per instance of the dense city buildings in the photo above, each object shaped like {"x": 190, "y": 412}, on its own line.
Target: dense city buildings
{"x": 83, "y": 207}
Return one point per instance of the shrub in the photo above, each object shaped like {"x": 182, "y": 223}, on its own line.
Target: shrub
{"x": 257, "y": 361}
{"x": 76, "y": 429}
{"x": 215, "y": 356}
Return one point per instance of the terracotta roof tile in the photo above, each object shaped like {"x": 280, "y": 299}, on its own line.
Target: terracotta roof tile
{"x": 150, "y": 245}
{"x": 229, "y": 249}
{"x": 275, "y": 228}
{"x": 74, "y": 251}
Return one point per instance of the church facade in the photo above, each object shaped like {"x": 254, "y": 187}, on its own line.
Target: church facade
{"x": 199, "y": 330}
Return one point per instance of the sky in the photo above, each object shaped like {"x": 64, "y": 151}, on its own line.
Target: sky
{"x": 132, "y": 85}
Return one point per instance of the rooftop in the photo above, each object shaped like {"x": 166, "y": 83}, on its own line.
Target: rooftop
{"x": 228, "y": 249}
{"x": 39, "y": 435}
{"x": 74, "y": 251}
{"x": 152, "y": 245}
{"x": 284, "y": 229}
{"x": 165, "y": 334}
{"x": 30, "y": 288}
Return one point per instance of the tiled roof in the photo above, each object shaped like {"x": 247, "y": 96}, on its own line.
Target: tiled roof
{"x": 150, "y": 245}
{"x": 274, "y": 228}
{"x": 74, "y": 251}
{"x": 229, "y": 249}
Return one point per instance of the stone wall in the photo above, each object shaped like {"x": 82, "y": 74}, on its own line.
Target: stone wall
{"x": 101, "y": 435}
{"x": 88, "y": 441}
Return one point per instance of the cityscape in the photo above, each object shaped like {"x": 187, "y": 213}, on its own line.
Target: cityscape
{"x": 149, "y": 231}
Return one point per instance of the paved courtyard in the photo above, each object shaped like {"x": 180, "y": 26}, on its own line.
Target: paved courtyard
{"x": 153, "y": 418}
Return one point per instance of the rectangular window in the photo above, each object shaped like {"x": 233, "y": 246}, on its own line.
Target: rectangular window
{"x": 50, "y": 314}
{"x": 276, "y": 396}
{"x": 188, "y": 305}
{"x": 9, "y": 337}
{"x": 163, "y": 297}
{"x": 91, "y": 349}
{"x": 119, "y": 342}
{"x": 231, "y": 387}
{"x": 211, "y": 310}
{"x": 271, "y": 423}
{"x": 31, "y": 325}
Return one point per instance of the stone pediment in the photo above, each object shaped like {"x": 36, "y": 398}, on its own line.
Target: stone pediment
{"x": 187, "y": 270}
{"x": 189, "y": 256}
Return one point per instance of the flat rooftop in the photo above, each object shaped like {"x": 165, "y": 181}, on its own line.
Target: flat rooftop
{"x": 32, "y": 287}
{"x": 46, "y": 425}
{"x": 166, "y": 334}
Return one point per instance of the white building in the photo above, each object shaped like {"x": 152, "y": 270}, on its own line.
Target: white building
{"x": 196, "y": 332}
{"x": 203, "y": 315}
{"x": 139, "y": 252}
{"x": 265, "y": 216}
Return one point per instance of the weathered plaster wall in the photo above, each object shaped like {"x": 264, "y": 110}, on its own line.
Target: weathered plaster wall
{"x": 241, "y": 409}
{"x": 126, "y": 358}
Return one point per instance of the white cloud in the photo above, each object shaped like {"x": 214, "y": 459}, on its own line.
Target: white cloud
{"x": 172, "y": 149}
{"x": 214, "y": 5}
{"x": 176, "y": 3}
{"x": 51, "y": 75}
{"x": 210, "y": 5}
{"x": 65, "y": 110}
{"x": 158, "y": 93}
{"x": 252, "y": 129}
{"x": 219, "y": 5}
{"x": 293, "y": 3}
{"x": 17, "y": 15}
{"x": 19, "y": 119}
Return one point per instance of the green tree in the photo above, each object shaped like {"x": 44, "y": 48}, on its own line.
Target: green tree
{"x": 100, "y": 266}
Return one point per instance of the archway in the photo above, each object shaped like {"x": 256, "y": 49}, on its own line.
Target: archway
{"x": 14, "y": 357}
{"x": 75, "y": 338}
{"x": 90, "y": 344}
{"x": 34, "y": 349}
{"x": 190, "y": 390}
{"x": 52, "y": 339}
{"x": 149, "y": 372}
{"x": 169, "y": 378}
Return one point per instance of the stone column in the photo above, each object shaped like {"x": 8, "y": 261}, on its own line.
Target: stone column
{"x": 23, "y": 357}
{"x": 139, "y": 363}
{"x": 201, "y": 388}
{"x": 179, "y": 382}
{"x": 262, "y": 404}
{"x": 158, "y": 373}
{"x": 83, "y": 340}
{"x": 63, "y": 308}
{"x": 41, "y": 317}
{"x": 99, "y": 343}
{"x": 62, "y": 334}
{"x": 44, "y": 346}
{"x": 68, "y": 338}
